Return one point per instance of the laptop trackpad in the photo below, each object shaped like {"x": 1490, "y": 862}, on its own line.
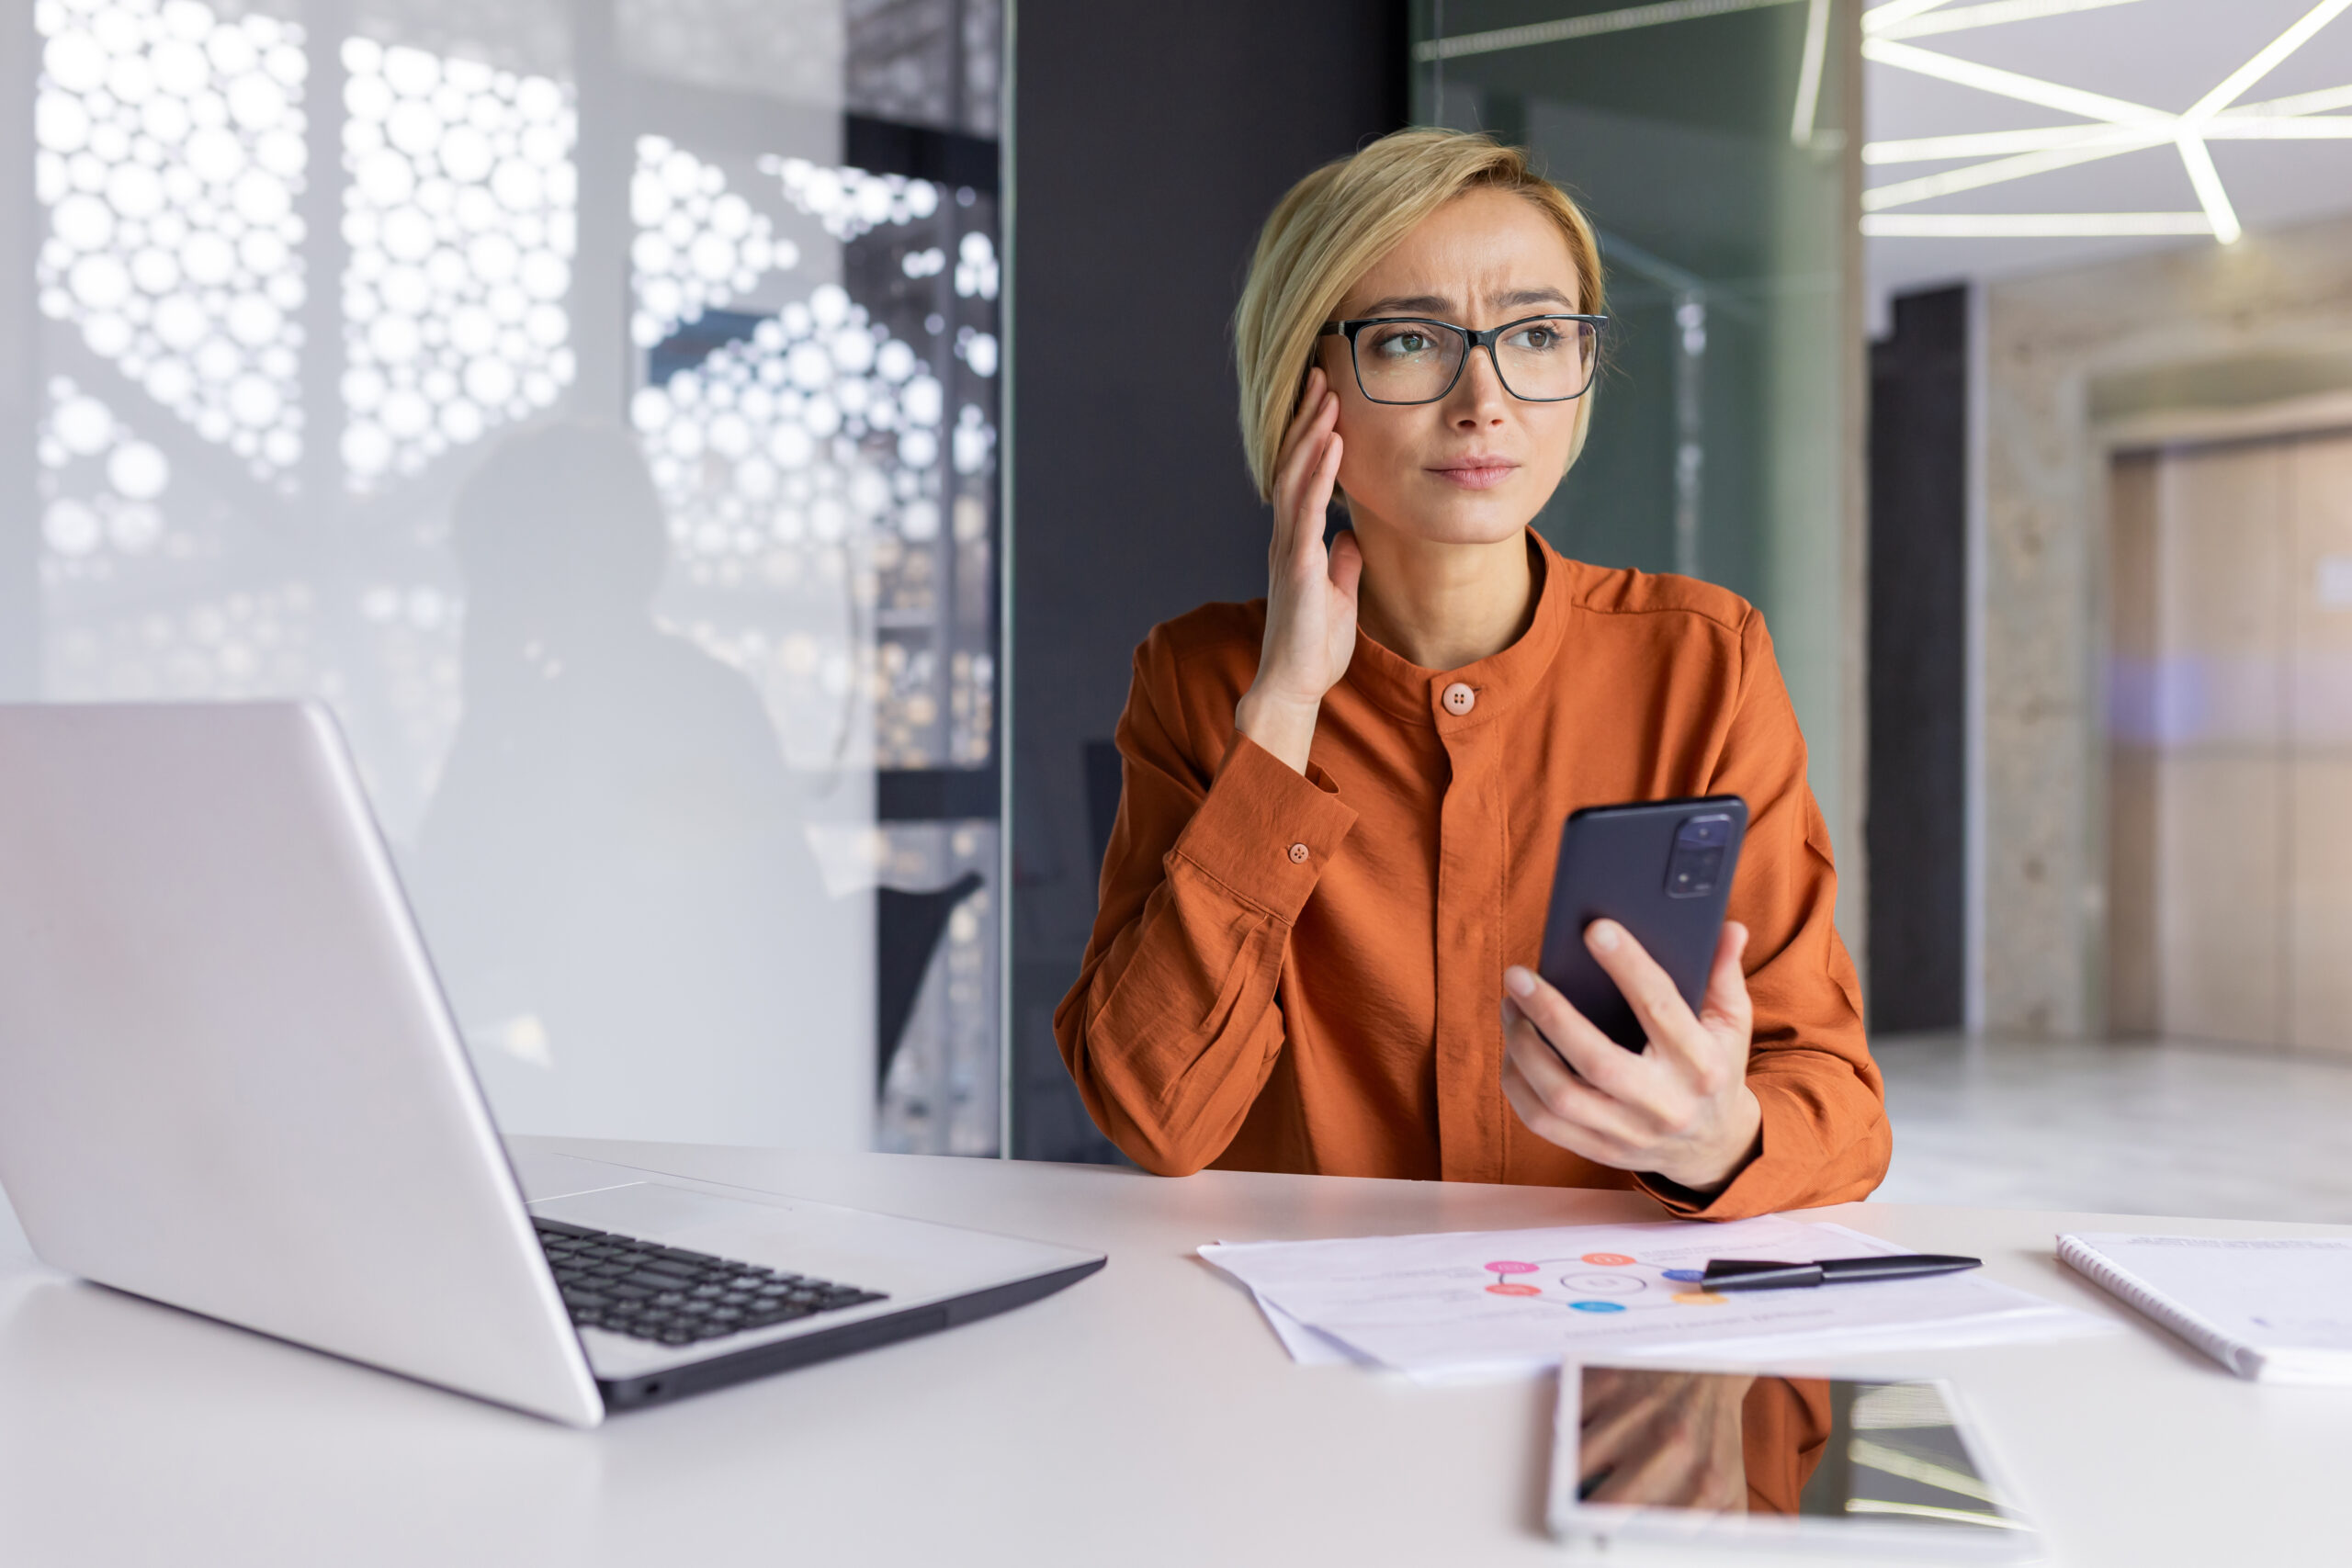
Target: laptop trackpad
{"x": 634, "y": 1202}
{"x": 544, "y": 1176}
{"x": 657, "y": 1212}
{"x": 873, "y": 1251}
{"x": 880, "y": 1252}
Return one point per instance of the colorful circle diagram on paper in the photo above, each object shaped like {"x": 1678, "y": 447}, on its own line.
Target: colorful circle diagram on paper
{"x": 1603, "y": 1282}
{"x": 1507, "y": 1286}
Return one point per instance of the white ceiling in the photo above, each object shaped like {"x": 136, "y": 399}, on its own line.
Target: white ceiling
{"x": 2160, "y": 55}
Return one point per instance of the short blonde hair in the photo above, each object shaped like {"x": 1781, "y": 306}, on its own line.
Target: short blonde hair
{"x": 1330, "y": 230}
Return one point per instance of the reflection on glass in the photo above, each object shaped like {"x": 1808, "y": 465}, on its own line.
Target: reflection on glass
{"x": 612, "y": 859}
{"x": 546, "y": 388}
{"x": 939, "y": 1082}
{"x": 171, "y": 155}
{"x": 460, "y": 213}
{"x": 1734, "y": 1443}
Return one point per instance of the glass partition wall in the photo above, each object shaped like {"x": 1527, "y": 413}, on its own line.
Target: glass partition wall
{"x": 1708, "y": 140}
{"x": 594, "y": 402}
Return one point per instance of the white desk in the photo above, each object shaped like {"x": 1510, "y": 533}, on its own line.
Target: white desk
{"x": 1145, "y": 1415}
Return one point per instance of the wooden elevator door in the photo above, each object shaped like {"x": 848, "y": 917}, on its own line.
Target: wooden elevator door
{"x": 2230, "y": 729}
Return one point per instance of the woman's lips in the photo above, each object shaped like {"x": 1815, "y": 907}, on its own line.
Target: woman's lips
{"x": 1476, "y": 473}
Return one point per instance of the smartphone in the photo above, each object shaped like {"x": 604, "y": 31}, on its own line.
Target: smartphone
{"x": 1660, "y": 868}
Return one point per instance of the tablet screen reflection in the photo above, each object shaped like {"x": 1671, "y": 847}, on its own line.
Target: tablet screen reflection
{"x": 1740, "y": 1443}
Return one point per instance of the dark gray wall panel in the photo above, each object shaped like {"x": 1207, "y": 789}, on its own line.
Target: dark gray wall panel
{"x": 1918, "y": 640}
{"x": 1150, "y": 143}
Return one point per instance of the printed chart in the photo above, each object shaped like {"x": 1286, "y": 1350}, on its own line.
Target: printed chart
{"x": 1602, "y": 1282}
{"x": 1470, "y": 1304}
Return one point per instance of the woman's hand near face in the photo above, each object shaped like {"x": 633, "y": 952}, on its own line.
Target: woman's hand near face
{"x": 1310, "y": 592}
{"x": 1683, "y": 1108}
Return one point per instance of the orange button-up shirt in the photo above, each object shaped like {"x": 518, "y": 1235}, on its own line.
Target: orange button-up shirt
{"x": 1305, "y": 973}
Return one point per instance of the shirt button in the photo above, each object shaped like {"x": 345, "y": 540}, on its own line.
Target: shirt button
{"x": 1458, "y": 699}
{"x": 1298, "y": 854}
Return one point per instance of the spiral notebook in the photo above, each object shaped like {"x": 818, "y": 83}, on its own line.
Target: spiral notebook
{"x": 2271, "y": 1309}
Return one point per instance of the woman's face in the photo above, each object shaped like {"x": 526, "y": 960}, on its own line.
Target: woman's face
{"x": 1476, "y": 464}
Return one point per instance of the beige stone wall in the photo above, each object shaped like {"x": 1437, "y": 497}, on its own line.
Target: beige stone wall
{"x": 2057, "y": 348}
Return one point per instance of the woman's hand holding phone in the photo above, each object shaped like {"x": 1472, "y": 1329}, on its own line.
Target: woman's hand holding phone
{"x": 1310, "y": 592}
{"x": 1682, "y": 1109}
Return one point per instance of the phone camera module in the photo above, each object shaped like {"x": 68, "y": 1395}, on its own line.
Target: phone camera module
{"x": 1700, "y": 831}
{"x": 1697, "y": 864}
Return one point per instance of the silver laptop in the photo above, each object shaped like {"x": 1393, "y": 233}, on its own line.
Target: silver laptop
{"x": 229, "y": 1082}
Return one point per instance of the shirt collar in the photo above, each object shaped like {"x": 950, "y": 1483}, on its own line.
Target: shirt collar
{"x": 1500, "y": 681}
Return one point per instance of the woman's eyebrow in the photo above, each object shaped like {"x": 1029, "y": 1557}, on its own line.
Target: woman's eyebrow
{"x": 1438, "y": 305}
{"x": 1407, "y": 305}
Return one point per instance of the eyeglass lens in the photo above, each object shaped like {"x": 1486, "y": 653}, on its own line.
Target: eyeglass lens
{"x": 1416, "y": 362}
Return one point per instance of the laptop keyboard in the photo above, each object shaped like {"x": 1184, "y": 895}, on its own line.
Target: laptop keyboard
{"x": 673, "y": 1296}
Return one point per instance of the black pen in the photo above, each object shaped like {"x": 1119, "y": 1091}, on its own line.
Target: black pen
{"x": 1756, "y": 1274}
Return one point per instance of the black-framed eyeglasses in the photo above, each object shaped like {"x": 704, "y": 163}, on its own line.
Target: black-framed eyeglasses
{"x": 1414, "y": 359}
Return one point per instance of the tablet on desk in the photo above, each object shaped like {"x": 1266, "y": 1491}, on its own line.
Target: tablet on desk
{"x": 1808, "y": 1466}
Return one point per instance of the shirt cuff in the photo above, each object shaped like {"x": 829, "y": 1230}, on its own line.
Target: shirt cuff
{"x": 1265, "y": 831}
{"x": 1763, "y": 1185}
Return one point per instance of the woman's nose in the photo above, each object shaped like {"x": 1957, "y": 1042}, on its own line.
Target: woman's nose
{"x": 1479, "y": 395}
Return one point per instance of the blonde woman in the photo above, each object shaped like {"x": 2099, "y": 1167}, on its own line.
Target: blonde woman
{"x": 1327, "y": 881}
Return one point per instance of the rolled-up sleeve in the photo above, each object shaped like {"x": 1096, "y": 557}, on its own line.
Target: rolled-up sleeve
{"x": 1175, "y": 1021}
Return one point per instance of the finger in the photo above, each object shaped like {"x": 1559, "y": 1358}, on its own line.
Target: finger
{"x": 1573, "y": 1115}
{"x": 1595, "y": 1058}
{"x": 1347, "y": 564}
{"x": 1646, "y": 1092}
{"x": 1315, "y": 505}
{"x": 1303, "y": 448}
{"x": 1565, "y": 1095}
{"x": 1307, "y": 497}
{"x": 1726, "y": 1009}
{"x": 1650, "y": 991}
{"x": 1310, "y": 398}
{"x": 1298, "y": 476}
{"x": 1299, "y": 535}
{"x": 1310, "y": 402}
{"x": 1539, "y": 1061}
{"x": 1580, "y": 1141}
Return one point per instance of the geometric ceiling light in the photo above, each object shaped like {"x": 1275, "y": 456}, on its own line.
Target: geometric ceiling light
{"x": 2115, "y": 127}
{"x": 1917, "y": 18}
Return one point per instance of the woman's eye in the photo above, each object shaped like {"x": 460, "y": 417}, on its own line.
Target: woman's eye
{"x": 1538, "y": 340}
{"x": 1402, "y": 345}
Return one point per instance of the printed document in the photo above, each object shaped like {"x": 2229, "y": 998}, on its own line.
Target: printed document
{"x": 1479, "y": 1304}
